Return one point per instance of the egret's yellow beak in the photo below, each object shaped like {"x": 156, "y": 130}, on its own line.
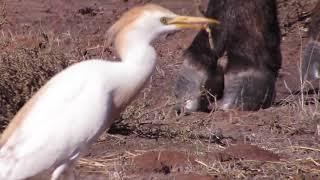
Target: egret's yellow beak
{"x": 192, "y": 22}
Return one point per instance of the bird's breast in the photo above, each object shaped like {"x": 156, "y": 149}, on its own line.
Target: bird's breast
{"x": 124, "y": 95}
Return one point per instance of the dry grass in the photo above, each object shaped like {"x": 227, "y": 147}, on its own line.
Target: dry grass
{"x": 3, "y": 14}
{"x": 23, "y": 69}
{"x": 288, "y": 129}
{"x": 25, "y": 65}
{"x": 103, "y": 163}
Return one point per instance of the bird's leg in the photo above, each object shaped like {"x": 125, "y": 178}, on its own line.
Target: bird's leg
{"x": 65, "y": 166}
{"x": 64, "y": 171}
{"x": 58, "y": 171}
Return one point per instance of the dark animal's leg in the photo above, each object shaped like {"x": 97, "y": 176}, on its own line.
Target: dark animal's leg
{"x": 311, "y": 59}
{"x": 200, "y": 80}
{"x": 253, "y": 50}
{"x": 250, "y": 34}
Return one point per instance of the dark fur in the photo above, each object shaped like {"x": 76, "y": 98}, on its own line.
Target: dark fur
{"x": 249, "y": 33}
{"x": 311, "y": 59}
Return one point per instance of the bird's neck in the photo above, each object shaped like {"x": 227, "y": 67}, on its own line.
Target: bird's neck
{"x": 134, "y": 49}
{"x": 139, "y": 54}
{"x": 138, "y": 61}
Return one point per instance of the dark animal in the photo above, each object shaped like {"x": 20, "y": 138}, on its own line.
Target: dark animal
{"x": 311, "y": 59}
{"x": 249, "y": 35}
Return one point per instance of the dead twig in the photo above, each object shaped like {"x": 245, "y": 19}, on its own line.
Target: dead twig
{"x": 305, "y": 148}
{"x": 3, "y": 15}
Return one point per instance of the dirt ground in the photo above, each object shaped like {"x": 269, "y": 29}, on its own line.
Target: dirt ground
{"x": 149, "y": 141}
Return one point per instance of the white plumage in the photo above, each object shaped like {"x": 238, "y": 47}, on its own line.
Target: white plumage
{"x": 73, "y": 108}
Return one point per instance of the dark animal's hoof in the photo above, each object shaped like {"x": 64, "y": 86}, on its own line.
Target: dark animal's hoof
{"x": 311, "y": 61}
{"x": 186, "y": 108}
{"x": 249, "y": 91}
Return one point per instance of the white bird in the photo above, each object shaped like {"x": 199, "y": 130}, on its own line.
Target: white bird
{"x": 74, "y": 107}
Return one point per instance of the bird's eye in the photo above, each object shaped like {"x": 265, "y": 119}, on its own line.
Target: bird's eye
{"x": 164, "y": 20}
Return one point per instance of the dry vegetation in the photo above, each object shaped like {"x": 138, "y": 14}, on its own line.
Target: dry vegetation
{"x": 288, "y": 129}
{"x": 25, "y": 65}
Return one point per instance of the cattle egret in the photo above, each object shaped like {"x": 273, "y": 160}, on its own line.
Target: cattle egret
{"x": 73, "y": 108}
